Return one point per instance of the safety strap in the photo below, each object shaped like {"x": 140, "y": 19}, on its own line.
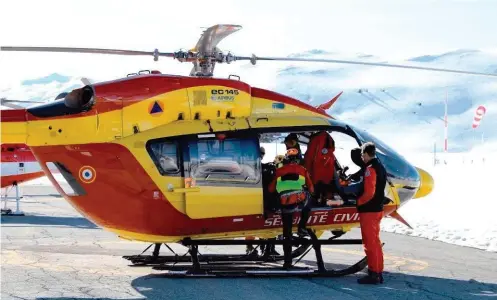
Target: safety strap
{"x": 293, "y": 198}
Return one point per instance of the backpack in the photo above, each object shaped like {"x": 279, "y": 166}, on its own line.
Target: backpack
{"x": 320, "y": 157}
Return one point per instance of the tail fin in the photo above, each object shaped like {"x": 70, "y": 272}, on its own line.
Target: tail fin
{"x": 14, "y": 126}
{"x": 328, "y": 104}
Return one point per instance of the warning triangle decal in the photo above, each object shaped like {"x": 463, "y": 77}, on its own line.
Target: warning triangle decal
{"x": 156, "y": 108}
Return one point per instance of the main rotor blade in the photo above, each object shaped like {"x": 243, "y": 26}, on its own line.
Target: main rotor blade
{"x": 85, "y": 81}
{"x": 213, "y": 35}
{"x": 10, "y": 103}
{"x": 4, "y": 100}
{"x": 86, "y": 50}
{"x": 254, "y": 58}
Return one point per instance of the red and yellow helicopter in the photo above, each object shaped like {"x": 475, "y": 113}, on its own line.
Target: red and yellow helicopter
{"x": 176, "y": 159}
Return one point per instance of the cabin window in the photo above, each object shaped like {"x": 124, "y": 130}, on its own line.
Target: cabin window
{"x": 64, "y": 178}
{"x": 225, "y": 161}
{"x": 344, "y": 144}
{"x": 165, "y": 155}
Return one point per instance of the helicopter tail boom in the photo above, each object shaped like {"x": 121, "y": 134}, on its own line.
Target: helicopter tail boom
{"x": 14, "y": 126}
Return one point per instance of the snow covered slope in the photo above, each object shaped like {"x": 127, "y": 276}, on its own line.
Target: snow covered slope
{"x": 461, "y": 208}
{"x": 43, "y": 89}
{"x": 409, "y": 104}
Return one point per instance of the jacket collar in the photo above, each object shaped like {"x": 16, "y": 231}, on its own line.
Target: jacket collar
{"x": 374, "y": 160}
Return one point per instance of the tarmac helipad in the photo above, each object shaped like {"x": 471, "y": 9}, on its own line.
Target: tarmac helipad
{"x": 55, "y": 253}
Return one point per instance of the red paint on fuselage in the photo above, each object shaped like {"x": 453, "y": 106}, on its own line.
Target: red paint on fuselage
{"x": 121, "y": 196}
{"x": 13, "y": 115}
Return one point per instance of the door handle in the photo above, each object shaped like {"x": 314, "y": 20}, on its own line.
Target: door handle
{"x": 185, "y": 190}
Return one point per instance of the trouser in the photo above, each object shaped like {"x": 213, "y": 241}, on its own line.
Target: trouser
{"x": 370, "y": 231}
{"x": 323, "y": 191}
{"x": 287, "y": 218}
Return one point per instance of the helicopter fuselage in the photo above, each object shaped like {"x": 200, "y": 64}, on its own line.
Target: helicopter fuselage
{"x": 158, "y": 158}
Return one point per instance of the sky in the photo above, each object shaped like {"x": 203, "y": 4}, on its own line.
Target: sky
{"x": 389, "y": 29}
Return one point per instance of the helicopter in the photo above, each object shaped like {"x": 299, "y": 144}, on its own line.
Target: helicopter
{"x": 176, "y": 159}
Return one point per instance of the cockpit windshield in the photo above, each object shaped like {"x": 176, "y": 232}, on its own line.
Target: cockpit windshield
{"x": 395, "y": 164}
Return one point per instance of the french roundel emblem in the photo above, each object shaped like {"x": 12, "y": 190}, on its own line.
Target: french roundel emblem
{"x": 87, "y": 174}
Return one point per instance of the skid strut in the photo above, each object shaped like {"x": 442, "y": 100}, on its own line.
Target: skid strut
{"x": 7, "y": 211}
{"x": 245, "y": 265}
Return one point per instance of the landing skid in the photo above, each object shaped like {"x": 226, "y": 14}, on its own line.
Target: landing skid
{"x": 193, "y": 264}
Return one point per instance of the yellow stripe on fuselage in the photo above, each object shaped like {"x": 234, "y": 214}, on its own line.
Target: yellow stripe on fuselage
{"x": 14, "y": 132}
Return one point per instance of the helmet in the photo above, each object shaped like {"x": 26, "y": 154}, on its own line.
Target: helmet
{"x": 291, "y": 139}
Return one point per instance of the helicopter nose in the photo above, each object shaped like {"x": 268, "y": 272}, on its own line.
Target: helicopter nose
{"x": 426, "y": 184}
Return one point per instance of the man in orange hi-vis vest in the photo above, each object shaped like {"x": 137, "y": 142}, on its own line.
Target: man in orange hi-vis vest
{"x": 294, "y": 188}
{"x": 370, "y": 208}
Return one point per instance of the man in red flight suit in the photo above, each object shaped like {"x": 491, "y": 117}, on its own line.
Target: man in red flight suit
{"x": 370, "y": 208}
{"x": 320, "y": 163}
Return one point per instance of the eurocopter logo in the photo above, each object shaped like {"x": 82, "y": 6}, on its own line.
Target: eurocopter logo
{"x": 224, "y": 95}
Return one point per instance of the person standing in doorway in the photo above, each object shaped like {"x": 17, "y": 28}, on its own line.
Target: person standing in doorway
{"x": 294, "y": 188}
{"x": 370, "y": 208}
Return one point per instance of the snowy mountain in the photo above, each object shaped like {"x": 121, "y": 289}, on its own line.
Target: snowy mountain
{"x": 404, "y": 108}
{"x": 41, "y": 89}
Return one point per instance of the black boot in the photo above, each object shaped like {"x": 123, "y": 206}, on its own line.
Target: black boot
{"x": 302, "y": 229}
{"x": 371, "y": 278}
{"x": 287, "y": 249}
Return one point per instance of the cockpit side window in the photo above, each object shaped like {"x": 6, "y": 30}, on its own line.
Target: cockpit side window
{"x": 397, "y": 166}
{"x": 165, "y": 155}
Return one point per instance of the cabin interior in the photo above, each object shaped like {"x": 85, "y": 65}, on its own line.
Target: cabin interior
{"x": 235, "y": 159}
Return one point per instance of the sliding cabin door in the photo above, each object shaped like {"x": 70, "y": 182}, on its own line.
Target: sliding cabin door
{"x": 225, "y": 175}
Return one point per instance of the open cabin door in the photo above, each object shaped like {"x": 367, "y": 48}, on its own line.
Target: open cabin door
{"x": 225, "y": 175}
